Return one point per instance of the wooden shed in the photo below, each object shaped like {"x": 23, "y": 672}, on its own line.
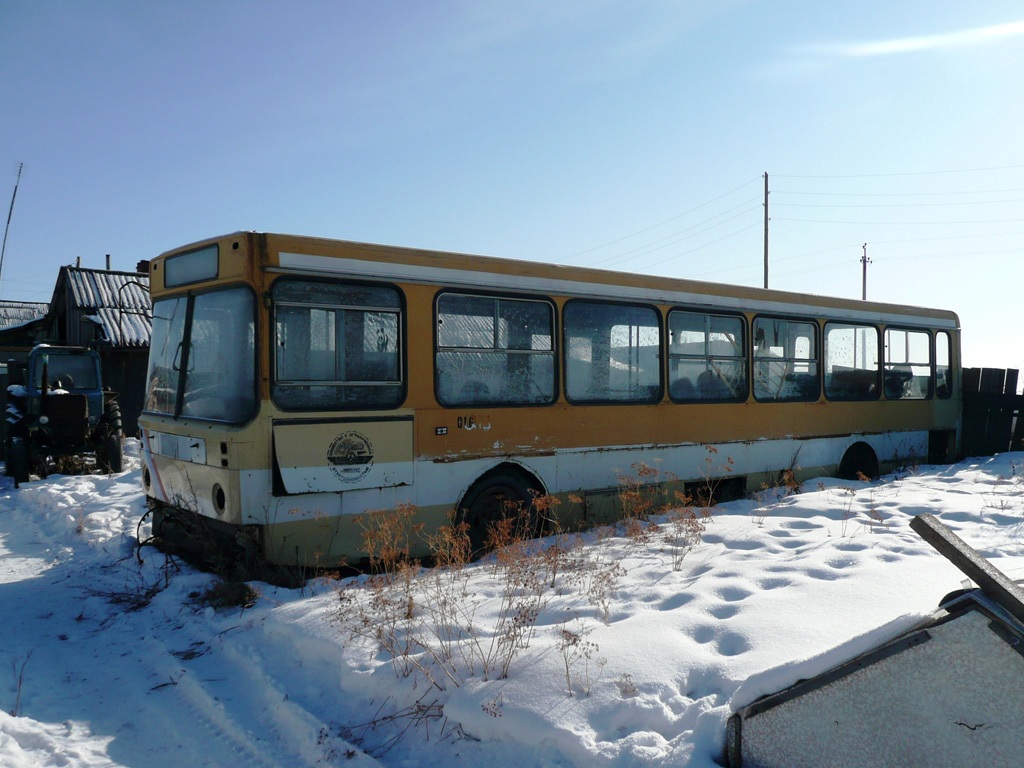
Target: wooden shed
{"x": 22, "y": 326}
{"x": 111, "y": 312}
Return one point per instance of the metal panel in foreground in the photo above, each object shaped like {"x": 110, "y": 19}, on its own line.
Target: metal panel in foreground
{"x": 948, "y": 694}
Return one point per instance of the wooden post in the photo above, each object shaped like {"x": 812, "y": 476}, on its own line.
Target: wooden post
{"x": 766, "y": 229}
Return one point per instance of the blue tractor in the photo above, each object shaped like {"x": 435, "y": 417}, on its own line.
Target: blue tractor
{"x": 56, "y": 407}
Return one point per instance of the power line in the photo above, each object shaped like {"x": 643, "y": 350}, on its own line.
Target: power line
{"x": 900, "y": 223}
{"x": 644, "y": 250}
{"x": 970, "y": 255}
{"x": 898, "y": 205}
{"x": 791, "y": 198}
{"x": 846, "y": 261}
{"x": 896, "y": 175}
{"x": 974, "y": 236}
{"x": 666, "y": 221}
{"x": 706, "y": 245}
{"x": 898, "y": 194}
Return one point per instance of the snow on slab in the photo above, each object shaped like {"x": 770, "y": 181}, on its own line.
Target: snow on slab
{"x": 106, "y": 659}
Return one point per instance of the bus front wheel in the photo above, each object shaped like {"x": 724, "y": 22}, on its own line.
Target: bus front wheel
{"x": 500, "y": 496}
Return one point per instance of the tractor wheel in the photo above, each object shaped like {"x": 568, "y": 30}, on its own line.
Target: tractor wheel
{"x": 110, "y": 451}
{"x": 112, "y": 416}
{"x": 110, "y": 456}
{"x": 18, "y": 460}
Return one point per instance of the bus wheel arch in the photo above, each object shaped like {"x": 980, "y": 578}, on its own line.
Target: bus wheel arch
{"x": 489, "y": 498}
{"x": 859, "y": 459}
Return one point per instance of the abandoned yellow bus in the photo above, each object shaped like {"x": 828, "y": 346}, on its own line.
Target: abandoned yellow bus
{"x": 295, "y": 383}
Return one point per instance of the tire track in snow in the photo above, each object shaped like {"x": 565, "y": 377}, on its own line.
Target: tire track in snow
{"x": 115, "y": 629}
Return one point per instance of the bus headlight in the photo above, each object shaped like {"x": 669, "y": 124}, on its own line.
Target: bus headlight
{"x": 220, "y": 501}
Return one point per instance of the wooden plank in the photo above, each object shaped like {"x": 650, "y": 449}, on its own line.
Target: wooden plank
{"x": 1010, "y": 385}
{"x": 1017, "y": 441}
{"x": 1001, "y": 435}
{"x": 974, "y": 425}
{"x": 989, "y": 412}
{"x": 971, "y": 380}
{"x": 985, "y": 400}
{"x": 989, "y": 579}
{"x": 992, "y": 380}
{"x": 972, "y": 430}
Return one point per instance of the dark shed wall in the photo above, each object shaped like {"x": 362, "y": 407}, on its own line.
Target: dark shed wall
{"x": 124, "y": 371}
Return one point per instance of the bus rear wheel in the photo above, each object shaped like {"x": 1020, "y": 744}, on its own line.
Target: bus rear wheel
{"x": 858, "y": 462}
{"x": 500, "y": 496}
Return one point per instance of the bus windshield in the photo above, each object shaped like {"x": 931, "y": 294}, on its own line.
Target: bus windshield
{"x": 202, "y": 361}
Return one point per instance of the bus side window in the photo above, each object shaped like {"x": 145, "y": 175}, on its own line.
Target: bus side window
{"x": 707, "y": 357}
{"x": 336, "y": 345}
{"x": 612, "y": 352}
{"x": 908, "y": 365}
{"x": 851, "y": 362}
{"x": 785, "y": 360}
{"x": 494, "y": 350}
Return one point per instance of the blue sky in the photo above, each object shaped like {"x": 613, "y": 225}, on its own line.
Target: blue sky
{"x": 623, "y": 135}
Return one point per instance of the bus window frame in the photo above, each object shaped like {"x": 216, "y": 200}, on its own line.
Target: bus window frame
{"x": 817, "y": 359}
{"x": 658, "y": 395}
{"x": 878, "y": 363}
{"x": 930, "y": 394}
{"x": 745, "y": 355}
{"x": 497, "y": 296}
{"x": 271, "y": 314}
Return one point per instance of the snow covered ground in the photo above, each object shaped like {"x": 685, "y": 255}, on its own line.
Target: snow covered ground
{"x": 112, "y": 655}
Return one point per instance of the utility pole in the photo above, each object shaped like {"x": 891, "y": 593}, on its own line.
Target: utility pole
{"x": 864, "y": 261}
{"x": 10, "y": 211}
{"x": 766, "y": 229}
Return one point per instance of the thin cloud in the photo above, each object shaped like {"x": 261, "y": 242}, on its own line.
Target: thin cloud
{"x": 961, "y": 39}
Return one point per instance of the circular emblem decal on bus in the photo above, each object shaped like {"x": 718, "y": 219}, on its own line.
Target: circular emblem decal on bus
{"x": 350, "y": 456}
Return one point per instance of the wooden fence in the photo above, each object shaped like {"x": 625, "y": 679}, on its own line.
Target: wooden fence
{"x": 992, "y": 412}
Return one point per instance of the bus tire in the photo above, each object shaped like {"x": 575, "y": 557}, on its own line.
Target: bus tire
{"x": 494, "y": 497}
{"x": 858, "y": 461}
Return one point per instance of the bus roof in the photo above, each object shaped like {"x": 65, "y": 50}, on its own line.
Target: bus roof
{"x": 313, "y": 256}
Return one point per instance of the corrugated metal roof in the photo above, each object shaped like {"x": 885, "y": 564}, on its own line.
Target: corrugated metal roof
{"x": 125, "y": 328}
{"x": 96, "y": 288}
{"x": 14, "y": 313}
{"x": 116, "y": 301}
